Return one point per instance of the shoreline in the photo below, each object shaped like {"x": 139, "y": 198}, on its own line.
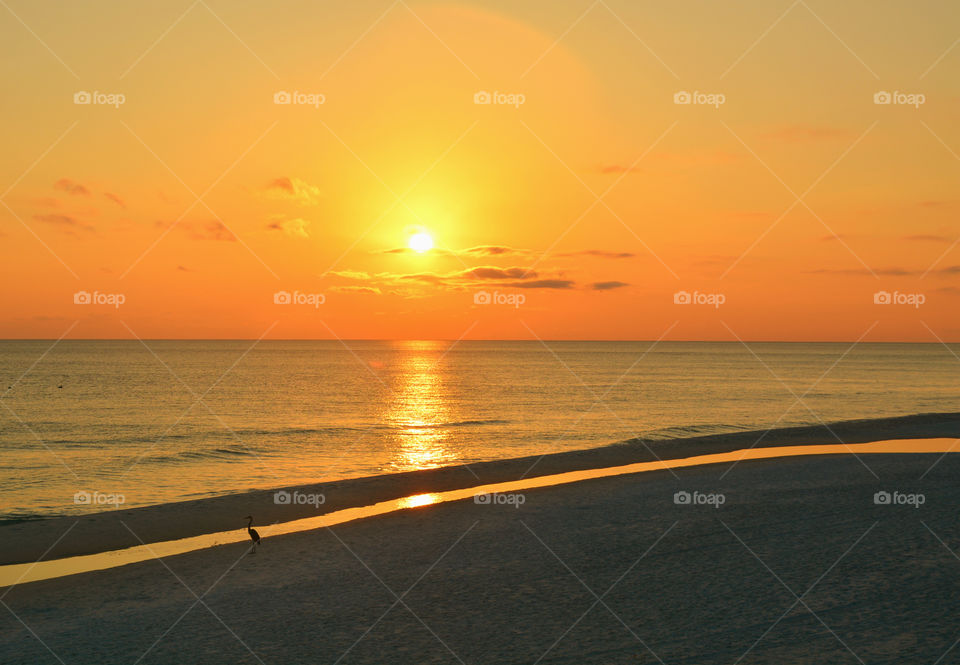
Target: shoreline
{"x": 62, "y": 537}
{"x": 514, "y": 491}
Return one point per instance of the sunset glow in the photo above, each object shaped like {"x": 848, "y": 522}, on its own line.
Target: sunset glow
{"x": 596, "y": 175}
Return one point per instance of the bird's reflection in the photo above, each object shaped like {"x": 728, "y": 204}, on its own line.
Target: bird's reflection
{"x": 419, "y": 413}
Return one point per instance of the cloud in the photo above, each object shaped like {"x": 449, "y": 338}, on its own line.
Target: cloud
{"x": 211, "y": 230}
{"x": 116, "y": 199}
{"x": 489, "y": 272}
{"x": 800, "y": 133}
{"x": 426, "y": 277}
{"x": 608, "y": 286}
{"x": 214, "y": 230}
{"x": 294, "y": 189}
{"x": 543, "y": 284}
{"x": 493, "y": 250}
{"x": 600, "y": 253}
{"x": 69, "y": 186}
{"x": 456, "y": 280}
{"x": 483, "y": 276}
{"x": 478, "y": 251}
{"x": 63, "y": 221}
{"x": 407, "y": 250}
{"x": 357, "y": 289}
{"x": 351, "y": 274}
{"x": 292, "y": 227}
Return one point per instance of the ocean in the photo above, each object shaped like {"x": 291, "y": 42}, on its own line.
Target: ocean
{"x": 86, "y": 424}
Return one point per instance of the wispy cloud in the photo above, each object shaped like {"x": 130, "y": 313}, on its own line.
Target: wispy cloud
{"x": 70, "y": 187}
{"x": 209, "y": 230}
{"x": 294, "y": 189}
{"x": 298, "y": 228}
{"x": 475, "y": 252}
{"x": 514, "y": 277}
{"x": 494, "y": 250}
{"x": 543, "y": 284}
{"x": 608, "y": 286}
{"x": 488, "y": 272}
{"x": 600, "y": 254}
{"x": 351, "y": 274}
{"x": 372, "y": 290}
{"x": 65, "y": 222}
{"x": 116, "y": 199}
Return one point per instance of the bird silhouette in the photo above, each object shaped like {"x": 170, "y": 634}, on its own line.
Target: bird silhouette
{"x": 254, "y": 536}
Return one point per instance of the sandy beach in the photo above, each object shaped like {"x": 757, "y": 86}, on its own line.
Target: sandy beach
{"x": 796, "y": 563}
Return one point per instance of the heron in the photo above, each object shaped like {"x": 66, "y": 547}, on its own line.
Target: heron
{"x": 254, "y": 536}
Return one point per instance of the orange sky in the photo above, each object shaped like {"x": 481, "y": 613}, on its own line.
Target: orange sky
{"x": 586, "y": 204}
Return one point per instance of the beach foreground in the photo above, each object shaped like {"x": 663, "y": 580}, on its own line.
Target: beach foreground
{"x": 798, "y": 563}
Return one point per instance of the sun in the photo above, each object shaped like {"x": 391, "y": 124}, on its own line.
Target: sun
{"x": 421, "y": 242}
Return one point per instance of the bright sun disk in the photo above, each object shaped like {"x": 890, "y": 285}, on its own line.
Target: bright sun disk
{"x": 421, "y": 242}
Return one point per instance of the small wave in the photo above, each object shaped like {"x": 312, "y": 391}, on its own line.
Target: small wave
{"x": 224, "y": 435}
{"x": 226, "y": 453}
{"x": 15, "y": 517}
{"x": 455, "y": 423}
{"x": 682, "y": 431}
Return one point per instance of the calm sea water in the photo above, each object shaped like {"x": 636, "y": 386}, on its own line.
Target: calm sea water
{"x": 182, "y": 420}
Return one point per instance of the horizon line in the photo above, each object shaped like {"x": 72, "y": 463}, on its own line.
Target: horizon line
{"x": 460, "y": 341}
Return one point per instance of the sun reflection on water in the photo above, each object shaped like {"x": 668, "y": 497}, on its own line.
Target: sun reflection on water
{"x": 419, "y": 412}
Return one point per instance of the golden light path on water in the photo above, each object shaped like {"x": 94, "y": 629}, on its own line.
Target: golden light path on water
{"x": 30, "y": 572}
{"x": 418, "y": 410}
